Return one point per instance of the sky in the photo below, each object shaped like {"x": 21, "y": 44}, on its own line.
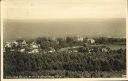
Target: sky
{"x": 64, "y": 9}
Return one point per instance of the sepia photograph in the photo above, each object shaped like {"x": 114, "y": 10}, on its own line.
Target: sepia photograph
{"x": 51, "y": 39}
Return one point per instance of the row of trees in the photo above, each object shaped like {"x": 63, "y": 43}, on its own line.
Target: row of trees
{"x": 58, "y": 43}
{"x": 105, "y": 40}
{"x": 71, "y": 41}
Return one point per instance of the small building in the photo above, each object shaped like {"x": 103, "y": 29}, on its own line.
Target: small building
{"x": 35, "y": 51}
{"x": 24, "y": 43}
{"x": 22, "y": 50}
{"x": 34, "y": 48}
{"x": 90, "y": 41}
{"x": 105, "y": 49}
{"x": 8, "y": 45}
{"x": 12, "y": 50}
{"x": 15, "y": 43}
{"x": 34, "y": 45}
{"x": 51, "y": 50}
{"x": 80, "y": 38}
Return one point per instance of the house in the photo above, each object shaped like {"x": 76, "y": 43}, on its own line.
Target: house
{"x": 34, "y": 48}
{"x": 80, "y": 38}
{"x": 15, "y": 43}
{"x": 24, "y": 43}
{"x": 51, "y": 50}
{"x": 105, "y": 49}
{"x": 12, "y": 50}
{"x": 34, "y": 51}
{"x": 8, "y": 45}
{"x": 90, "y": 41}
{"x": 34, "y": 45}
{"x": 22, "y": 50}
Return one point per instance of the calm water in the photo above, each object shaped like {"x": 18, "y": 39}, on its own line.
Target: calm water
{"x": 14, "y": 29}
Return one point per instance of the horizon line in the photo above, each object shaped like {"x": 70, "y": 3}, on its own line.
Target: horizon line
{"x": 63, "y": 18}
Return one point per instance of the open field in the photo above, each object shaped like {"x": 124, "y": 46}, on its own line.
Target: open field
{"x": 115, "y": 47}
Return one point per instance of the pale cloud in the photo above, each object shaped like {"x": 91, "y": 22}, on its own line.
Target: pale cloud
{"x": 64, "y": 9}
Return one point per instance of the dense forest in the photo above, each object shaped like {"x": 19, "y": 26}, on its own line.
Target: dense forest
{"x": 64, "y": 58}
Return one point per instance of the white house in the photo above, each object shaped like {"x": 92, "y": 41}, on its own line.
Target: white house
{"x": 24, "y": 43}
{"x": 15, "y": 43}
{"x": 34, "y": 51}
{"x": 34, "y": 48}
{"x": 90, "y": 41}
{"x": 80, "y": 39}
{"x": 34, "y": 45}
{"x": 51, "y": 50}
{"x": 22, "y": 50}
{"x": 8, "y": 45}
